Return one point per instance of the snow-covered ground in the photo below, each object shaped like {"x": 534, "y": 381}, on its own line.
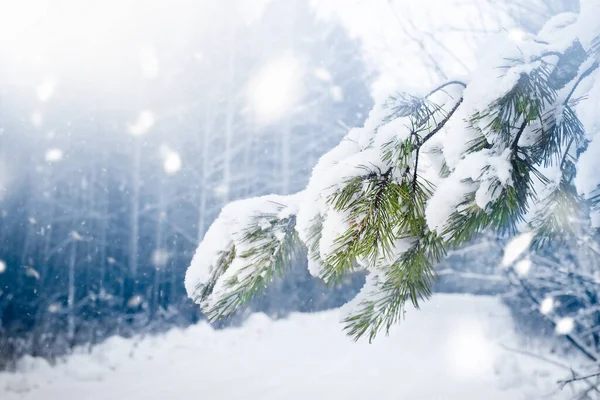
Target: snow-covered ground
{"x": 454, "y": 348}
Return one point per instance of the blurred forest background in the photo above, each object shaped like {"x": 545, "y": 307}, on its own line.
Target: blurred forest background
{"x": 126, "y": 126}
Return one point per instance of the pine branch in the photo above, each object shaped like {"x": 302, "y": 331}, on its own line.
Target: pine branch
{"x": 444, "y": 85}
{"x": 584, "y": 75}
{"x": 442, "y": 123}
{"x": 515, "y": 144}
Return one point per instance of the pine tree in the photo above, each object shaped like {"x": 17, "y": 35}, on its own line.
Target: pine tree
{"x": 510, "y": 149}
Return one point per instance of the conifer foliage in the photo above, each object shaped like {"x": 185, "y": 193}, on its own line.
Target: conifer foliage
{"x": 511, "y": 148}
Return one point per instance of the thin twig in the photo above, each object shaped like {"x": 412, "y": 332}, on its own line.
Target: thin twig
{"x": 565, "y": 382}
{"x": 515, "y": 144}
{"x": 441, "y": 124}
{"x": 585, "y": 74}
{"x": 464, "y": 85}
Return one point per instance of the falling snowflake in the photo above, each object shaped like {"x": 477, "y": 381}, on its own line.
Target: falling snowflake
{"x": 54, "y": 308}
{"x": 2, "y": 267}
{"x": 523, "y": 267}
{"x": 135, "y": 301}
{"x": 76, "y": 236}
{"x": 172, "y": 163}
{"x": 221, "y": 190}
{"x": 160, "y": 258}
{"x": 32, "y": 273}
{"x": 143, "y": 124}
{"x": 46, "y": 89}
{"x": 547, "y": 305}
{"x": 53, "y": 155}
{"x": 564, "y": 326}
{"x": 516, "y": 247}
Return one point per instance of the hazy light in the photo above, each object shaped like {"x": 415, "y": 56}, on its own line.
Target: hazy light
{"x": 276, "y": 89}
{"x": 564, "y": 326}
{"x": 523, "y": 267}
{"x": 2, "y": 267}
{"x": 37, "y": 119}
{"x": 221, "y": 190}
{"x": 323, "y": 74}
{"x": 46, "y": 89}
{"x": 149, "y": 61}
{"x": 143, "y": 124}
{"x": 516, "y": 247}
{"x": 337, "y": 94}
{"x": 547, "y": 305}
{"x": 4, "y": 179}
{"x": 53, "y": 155}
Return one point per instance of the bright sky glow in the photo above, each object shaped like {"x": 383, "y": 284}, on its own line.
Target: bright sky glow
{"x": 149, "y": 61}
{"x": 276, "y": 89}
{"x": 37, "y": 119}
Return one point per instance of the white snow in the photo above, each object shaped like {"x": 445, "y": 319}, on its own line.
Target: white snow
{"x": 454, "y": 348}
{"x": 227, "y": 231}
{"x": 2, "y": 267}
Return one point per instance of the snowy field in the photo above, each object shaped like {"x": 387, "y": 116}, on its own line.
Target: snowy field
{"x": 455, "y": 348}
